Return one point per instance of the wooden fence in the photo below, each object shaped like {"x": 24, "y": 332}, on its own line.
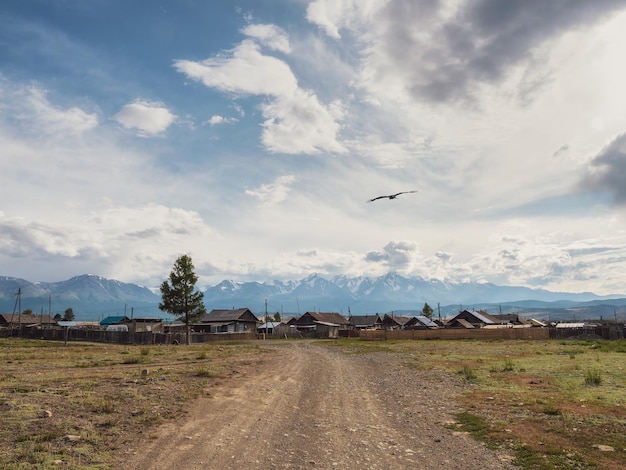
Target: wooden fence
{"x": 124, "y": 337}
{"x": 609, "y": 332}
{"x": 482, "y": 333}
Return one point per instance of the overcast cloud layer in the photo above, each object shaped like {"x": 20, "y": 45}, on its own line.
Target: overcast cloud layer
{"x": 251, "y": 135}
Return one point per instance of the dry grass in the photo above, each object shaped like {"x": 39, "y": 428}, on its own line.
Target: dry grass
{"x": 551, "y": 402}
{"x": 73, "y": 405}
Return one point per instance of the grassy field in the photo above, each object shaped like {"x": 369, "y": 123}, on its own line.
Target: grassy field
{"x": 554, "y": 404}
{"x": 74, "y": 406}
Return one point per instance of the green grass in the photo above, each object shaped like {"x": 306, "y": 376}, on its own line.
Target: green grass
{"x": 593, "y": 376}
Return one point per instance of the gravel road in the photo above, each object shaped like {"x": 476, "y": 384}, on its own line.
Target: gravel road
{"x": 316, "y": 407}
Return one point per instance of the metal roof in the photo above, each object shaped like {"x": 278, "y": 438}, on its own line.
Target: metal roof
{"x": 325, "y": 323}
{"x": 483, "y": 318}
{"x": 570, "y": 325}
{"x": 426, "y": 321}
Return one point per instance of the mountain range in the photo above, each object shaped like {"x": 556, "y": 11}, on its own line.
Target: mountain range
{"x": 92, "y": 297}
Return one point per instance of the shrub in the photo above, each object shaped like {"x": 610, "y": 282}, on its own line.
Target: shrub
{"x": 593, "y": 376}
{"x": 509, "y": 366}
{"x": 468, "y": 373}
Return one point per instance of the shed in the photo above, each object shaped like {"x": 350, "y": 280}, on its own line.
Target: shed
{"x": 270, "y": 328}
{"x": 137, "y": 325}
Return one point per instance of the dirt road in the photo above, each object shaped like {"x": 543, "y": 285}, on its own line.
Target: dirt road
{"x": 310, "y": 406}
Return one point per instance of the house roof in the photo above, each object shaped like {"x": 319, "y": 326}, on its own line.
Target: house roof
{"x": 462, "y": 322}
{"x": 422, "y": 320}
{"x": 398, "y": 320}
{"x": 482, "y": 317}
{"x": 570, "y": 325}
{"x": 328, "y": 317}
{"x": 240, "y": 314}
{"x": 113, "y": 320}
{"x": 24, "y": 319}
{"x": 365, "y": 320}
{"x": 325, "y": 323}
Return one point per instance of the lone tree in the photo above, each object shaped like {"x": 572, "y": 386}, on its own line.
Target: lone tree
{"x": 69, "y": 314}
{"x": 427, "y": 311}
{"x": 179, "y": 295}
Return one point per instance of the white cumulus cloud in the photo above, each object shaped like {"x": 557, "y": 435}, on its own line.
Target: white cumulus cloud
{"x": 145, "y": 117}
{"x": 295, "y": 119}
{"x": 269, "y": 35}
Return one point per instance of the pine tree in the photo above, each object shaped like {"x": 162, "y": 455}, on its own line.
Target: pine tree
{"x": 179, "y": 294}
{"x": 427, "y": 311}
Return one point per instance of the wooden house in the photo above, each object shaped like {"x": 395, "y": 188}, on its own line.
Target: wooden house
{"x": 477, "y": 319}
{"x": 420, "y": 322}
{"x": 394, "y": 322}
{"x": 15, "y": 320}
{"x": 240, "y": 320}
{"x": 321, "y": 324}
{"x": 369, "y": 322}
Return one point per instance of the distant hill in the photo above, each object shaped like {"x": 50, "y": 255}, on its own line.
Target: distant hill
{"x": 92, "y": 297}
{"x": 89, "y": 296}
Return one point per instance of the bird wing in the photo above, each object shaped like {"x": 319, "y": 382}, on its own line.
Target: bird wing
{"x": 391, "y": 196}
{"x": 376, "y": 198}
{"x": 405, "y": 192}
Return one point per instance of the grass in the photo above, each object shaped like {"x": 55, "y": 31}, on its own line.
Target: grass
{"x": 547, "y": 402}
{"x": 593, "y": 376}
{"x": 104, "y": 394}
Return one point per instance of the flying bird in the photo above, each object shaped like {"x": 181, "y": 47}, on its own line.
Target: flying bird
{"x": 390, "y": 196}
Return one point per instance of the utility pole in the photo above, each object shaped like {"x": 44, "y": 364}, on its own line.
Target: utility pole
{"x": 265, "y": 332}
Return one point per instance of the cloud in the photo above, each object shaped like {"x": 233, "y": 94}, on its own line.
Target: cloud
{"x": 269, "y": 35}
{"x": 445, "y": 51}
{"x": 29, "y": 107}
{"x": 396, "y": 255}
{"x": 217, "y": 119}
{"x": 607, "y": 171}
{"x": 145, "y": 117}
{"x": 274, "y": 192}
{"x": 295, "y": 120}
{"x": 331, "y": 15}
{"x": 299, "y": 123}
{"x": 243, "y": 70}
{"x": 121, "y": 239}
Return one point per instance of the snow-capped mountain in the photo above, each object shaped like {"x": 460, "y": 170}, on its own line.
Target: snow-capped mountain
{"x": 92, "y": 297}
{"x": 87, "y": 295}
{"x": 363, "y": 295}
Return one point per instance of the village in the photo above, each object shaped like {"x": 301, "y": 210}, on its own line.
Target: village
{"x": 242, "y": 323}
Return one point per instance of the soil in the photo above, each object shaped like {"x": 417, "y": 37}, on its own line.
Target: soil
{"x": 307, "y": 405}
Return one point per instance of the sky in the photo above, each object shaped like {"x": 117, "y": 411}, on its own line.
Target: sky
{"x": 250, "y": 134}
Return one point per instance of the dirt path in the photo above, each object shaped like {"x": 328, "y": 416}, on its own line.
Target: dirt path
{"x": 309, "y": 406}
